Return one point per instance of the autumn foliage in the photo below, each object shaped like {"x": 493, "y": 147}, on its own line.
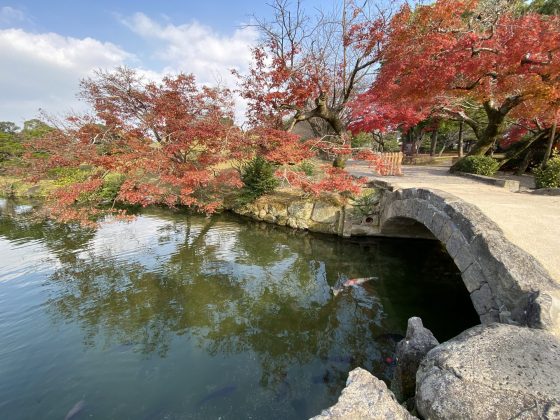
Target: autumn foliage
{"x": 171, "y": 143}
{"x": 492, "y": 66}
{"x": 451, "y": 56}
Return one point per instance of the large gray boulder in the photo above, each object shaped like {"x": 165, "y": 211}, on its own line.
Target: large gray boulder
{"x": 365, "y": 397}
{"x": 496, "y": 371}
{"x": 410, "y": 352}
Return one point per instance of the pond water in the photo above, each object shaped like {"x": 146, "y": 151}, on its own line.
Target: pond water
{"x": 173, "y": 316}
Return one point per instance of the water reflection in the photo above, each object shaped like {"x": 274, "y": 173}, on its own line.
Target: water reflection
{"x": 228, "y": 293}
{"x": 250, "y": 298}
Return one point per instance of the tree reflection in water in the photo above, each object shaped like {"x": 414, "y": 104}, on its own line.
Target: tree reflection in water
{"x": 232, "y": 287}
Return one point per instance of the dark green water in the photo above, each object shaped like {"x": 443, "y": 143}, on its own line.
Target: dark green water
{"x": 179, "y": 317}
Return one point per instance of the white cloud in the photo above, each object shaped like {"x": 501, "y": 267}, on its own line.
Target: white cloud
{"x": 198, "y": 49}
{"x": 10, "y": 15}
{"x": 44, "y": 70}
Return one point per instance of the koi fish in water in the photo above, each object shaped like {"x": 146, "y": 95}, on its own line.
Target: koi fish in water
{"x": 336, "y": 289}
{"x": 355, "y": 282}
{"x": 75, "y": 410}
{"x": 219, "y": 393}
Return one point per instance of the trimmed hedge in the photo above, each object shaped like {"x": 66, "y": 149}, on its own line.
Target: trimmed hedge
{"x": 479, "y": 165}
{"x": 549, "y": 176}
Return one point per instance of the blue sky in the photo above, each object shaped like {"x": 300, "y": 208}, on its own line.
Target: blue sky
{"x": 46, "y": 47}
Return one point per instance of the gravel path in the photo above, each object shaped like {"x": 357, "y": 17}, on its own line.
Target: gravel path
{"x": 532, "y": 222}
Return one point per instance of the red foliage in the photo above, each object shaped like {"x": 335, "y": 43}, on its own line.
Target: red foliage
{"x": 170, "y": 143}
{"x": 375, "y": 161}
{"x": 336, "y": 180}
{"x": 166, "y": 140}
{"x": 301, "y": 59}
{"x": 443, "y": 54}
{"x": 280, "y": 147}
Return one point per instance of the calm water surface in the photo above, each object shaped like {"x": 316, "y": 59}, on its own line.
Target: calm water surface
{"x": 178, "y": 317}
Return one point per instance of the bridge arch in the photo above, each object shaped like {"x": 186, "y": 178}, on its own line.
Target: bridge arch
{"x": 505, "y": 283}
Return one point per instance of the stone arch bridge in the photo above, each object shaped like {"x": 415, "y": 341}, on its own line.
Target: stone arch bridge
{"x": 506, "y": 284}
{"x": 505, "y": 244}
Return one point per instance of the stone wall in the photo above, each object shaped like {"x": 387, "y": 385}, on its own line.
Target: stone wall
{"x": 328, "y": 213}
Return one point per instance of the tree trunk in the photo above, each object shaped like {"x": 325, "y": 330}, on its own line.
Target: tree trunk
{"x": 526, "y": 160}
{"x": 443, "y": 149}
{"x": 549, "y": 145}
{"x": 417, "y": 139}
{"x": 460, "y": 146}
{"x": 433, "y": 143}
{"x": 488, "y": 136}
{"x": 328, "y": 114}
{"x": 518, "y": 148}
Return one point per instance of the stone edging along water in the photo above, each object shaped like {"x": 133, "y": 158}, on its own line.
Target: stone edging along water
{"x": 506, "y": 284}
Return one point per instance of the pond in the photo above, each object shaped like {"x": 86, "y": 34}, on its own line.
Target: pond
{"x": 178, "y": 316}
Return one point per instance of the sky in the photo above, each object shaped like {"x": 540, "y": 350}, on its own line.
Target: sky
{"x": 47, "y": 47}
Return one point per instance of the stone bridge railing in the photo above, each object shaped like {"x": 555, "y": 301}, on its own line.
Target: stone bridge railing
{"x": 505, "y": 283}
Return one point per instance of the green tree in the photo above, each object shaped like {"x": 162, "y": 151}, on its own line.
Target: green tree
{"x": 33, "y": 129}
{"x": 10, "y": 145}
{"x": 8, "y": 127}
{"x": 544, "y": 7}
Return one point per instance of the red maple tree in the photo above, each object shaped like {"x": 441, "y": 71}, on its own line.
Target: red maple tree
{"x": 308, "y": 68}
{"x": 170, "y": 143}
{"x": 455, "y": 55}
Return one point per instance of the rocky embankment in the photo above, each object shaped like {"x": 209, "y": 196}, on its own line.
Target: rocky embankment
{"x": 495, "y": 371}
{"x": 365, "y": 397}
{"x": 328, "y": 213}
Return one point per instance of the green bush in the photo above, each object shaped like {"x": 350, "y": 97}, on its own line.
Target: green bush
{"x": 258, "y": 177}
{"x": 10, "y": 147}
{"x": 549, "y": 176}
{"x": 480, "y": 165}
{"x": 69, "y": 175}
{"x": 361, "y": 140}
{"x": 365, "y": 203}
{"x": 340, "y": 161}
{"x": 307, "y": 168}
{"x": 111, "y": 186}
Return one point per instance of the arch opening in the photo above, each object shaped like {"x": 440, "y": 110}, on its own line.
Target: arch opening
{"x": 405, "y": 227}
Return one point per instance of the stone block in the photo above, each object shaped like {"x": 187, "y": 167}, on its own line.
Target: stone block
{"x": 365, "y": 397}
{"x": 300, "y": 209}
{"x": 495, "y": 371}
{"x": 426, "y": 215}
{"x": 473, "y": 277}
{"x": 325, "y": 213}
{"x": 269, "y": 218}
{"x": 446, "y": 231}
{"x": 463, "y": 258}
{"x": 410, "y": 352}
{"x": 470, "y": 220}
{"x": 292, "y": 222}
{"x": 456, "y": 243}
{"x": 483, "y": 300}
{"x": 438, "y": 220}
